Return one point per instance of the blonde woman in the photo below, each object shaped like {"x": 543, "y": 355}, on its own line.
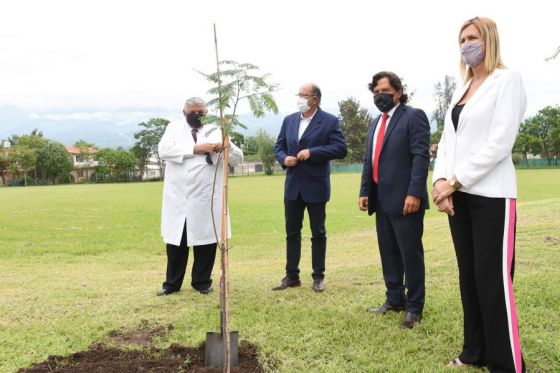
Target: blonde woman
{"x": 475, "y": 184}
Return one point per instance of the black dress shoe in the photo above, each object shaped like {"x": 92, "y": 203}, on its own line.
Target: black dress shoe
{"x": 288, "y": 283}
{"x": 165, "y": 291}
{"x": 205, "y": 291}
{"x": 318, "y": 285}
{"x": 386, "y": 307}
{"x": 410, "y": 320}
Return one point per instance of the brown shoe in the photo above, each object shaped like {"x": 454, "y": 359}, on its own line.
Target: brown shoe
{"x": 288, "y": 283}
{"x": 386, "y": 307}
{"x": 318, "y": 285}
{"x": 410, "y": 320}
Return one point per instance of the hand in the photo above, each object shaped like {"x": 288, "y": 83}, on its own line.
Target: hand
{"x": 303, "y": 155}
{"x": 290, "y": 161}
{"x": 217, "y": 147}
{"x": 447, "y": 206}
{"x": 204, "y": 148}
{"x": 441, "y": 191}
{"x": 411, "y": 205}
{"x": 363, "y": 203}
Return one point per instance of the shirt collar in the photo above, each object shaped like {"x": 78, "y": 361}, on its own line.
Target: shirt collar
{"x": 392, "y": 111}
{"x": 301, "y": 117}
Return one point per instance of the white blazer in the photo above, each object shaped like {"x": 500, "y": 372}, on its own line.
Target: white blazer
{"x": 479, "y": 152}
{"x": 187, "y": 186}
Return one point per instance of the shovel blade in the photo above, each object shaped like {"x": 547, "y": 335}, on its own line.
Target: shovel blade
{"x": 214, "y": 349}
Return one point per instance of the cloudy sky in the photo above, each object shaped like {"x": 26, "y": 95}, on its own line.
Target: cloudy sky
{"x": 83, "y": 58}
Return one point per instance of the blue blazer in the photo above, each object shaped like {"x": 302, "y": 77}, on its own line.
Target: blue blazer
{"x": 325, "y": 141}
{"x": 403, "y": 162}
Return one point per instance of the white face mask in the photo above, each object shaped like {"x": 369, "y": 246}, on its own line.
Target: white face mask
{"x": 302, "y": 104}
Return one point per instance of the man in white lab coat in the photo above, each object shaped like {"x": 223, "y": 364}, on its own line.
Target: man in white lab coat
{"x": 191, "y": 153}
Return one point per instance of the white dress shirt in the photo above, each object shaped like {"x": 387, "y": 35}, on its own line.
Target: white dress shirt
{"x": 390, "y": 114}
{"x": 304, "y": 123}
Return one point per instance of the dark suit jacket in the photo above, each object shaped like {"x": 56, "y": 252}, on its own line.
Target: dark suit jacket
{"x": 403, "y": 162}
{"x": 325, "y": 141}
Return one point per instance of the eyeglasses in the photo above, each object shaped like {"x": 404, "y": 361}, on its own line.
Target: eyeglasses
{"x": 302, "y": 95}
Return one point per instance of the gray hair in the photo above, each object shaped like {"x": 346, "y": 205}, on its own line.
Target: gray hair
{"x": 194, "y": 101}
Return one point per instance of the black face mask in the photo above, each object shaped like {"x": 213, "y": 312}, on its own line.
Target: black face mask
{"x": 194, "y": 120}
{"x": 383, "y": 101}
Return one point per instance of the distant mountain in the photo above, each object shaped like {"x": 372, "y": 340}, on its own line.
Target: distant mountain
{"x": 104, "y": 128}
{"x": 109, "y": 128}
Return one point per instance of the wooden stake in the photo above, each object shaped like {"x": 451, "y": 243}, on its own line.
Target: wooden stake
{"x": 224, "y": 290}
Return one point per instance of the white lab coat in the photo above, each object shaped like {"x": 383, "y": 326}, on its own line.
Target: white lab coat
{"x": 479, "y": 152}
{"x": 187, "y": 187}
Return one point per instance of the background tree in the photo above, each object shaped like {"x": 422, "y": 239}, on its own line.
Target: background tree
{"x": 354, "y": 121}
{"x": 4, "y": 164}
{"x": 149, "y": 138}
{"x": 544, "y": 125}
{"x": 409, "y": 92}
{"x": 37, "y": 132}
{"x": 54, "y": 163}
{"x": 266, "y": 144}
{"x": 526, "y": 143}
{"x": 238, "y": 139}
{"x": 141, "y": 154}
{"x": 250, "y": 146}
{"x": 34, "y": 141}
{"x": 115, "y": 164}
{"x": 22, "y": 160}
{"x": 555, "y": 134}
{"x": 87, "y": 154}
{"x": 443, "y": 93}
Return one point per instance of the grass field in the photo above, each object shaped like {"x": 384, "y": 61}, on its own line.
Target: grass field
{"x": 78, "y": 261}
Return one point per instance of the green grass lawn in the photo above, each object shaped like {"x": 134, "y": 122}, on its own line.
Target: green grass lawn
{"x": 78, "y": 261}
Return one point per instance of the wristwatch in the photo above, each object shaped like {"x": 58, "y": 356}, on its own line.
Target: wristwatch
{"x": 455, "y": 184}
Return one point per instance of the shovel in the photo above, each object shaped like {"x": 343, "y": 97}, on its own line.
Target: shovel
{"x": 214, "y": 355}
{"x": 214, "y": 351}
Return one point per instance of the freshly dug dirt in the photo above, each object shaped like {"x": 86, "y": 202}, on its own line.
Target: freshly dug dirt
{"x": 141, "y": 336}
{"x": 176, "y": 358}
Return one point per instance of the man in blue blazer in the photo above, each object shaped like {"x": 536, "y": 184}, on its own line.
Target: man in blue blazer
{"x": 309, "y": 139}
{"x": 394, "y": 186}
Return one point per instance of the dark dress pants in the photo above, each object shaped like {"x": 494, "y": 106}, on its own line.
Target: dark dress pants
{"x": 294, "y": 220}
{"x": 478, "y": 228}
{"x": 402, "y": 257}
{"x": 177, "y": 257}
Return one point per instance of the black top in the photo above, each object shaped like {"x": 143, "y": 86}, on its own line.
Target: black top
{"x": 455, "y": 115}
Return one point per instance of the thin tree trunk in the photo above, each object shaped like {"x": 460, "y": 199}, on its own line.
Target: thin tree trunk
{"x": 224, "y": 291}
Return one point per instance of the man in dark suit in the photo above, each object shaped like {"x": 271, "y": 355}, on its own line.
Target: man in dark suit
{"x": 309, "y": 139}
{"x": 394, "y": 186}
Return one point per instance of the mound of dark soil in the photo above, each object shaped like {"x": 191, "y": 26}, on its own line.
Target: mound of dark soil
{"x": 176, "y": 358}
{"x": 141, "y": 336}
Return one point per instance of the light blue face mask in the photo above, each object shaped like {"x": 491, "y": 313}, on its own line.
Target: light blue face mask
{"x": 302, "y": 104}
{"x": 472, "y": 54}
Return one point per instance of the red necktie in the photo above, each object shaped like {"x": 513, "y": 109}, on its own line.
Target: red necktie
{"x": 378, "y": 146}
